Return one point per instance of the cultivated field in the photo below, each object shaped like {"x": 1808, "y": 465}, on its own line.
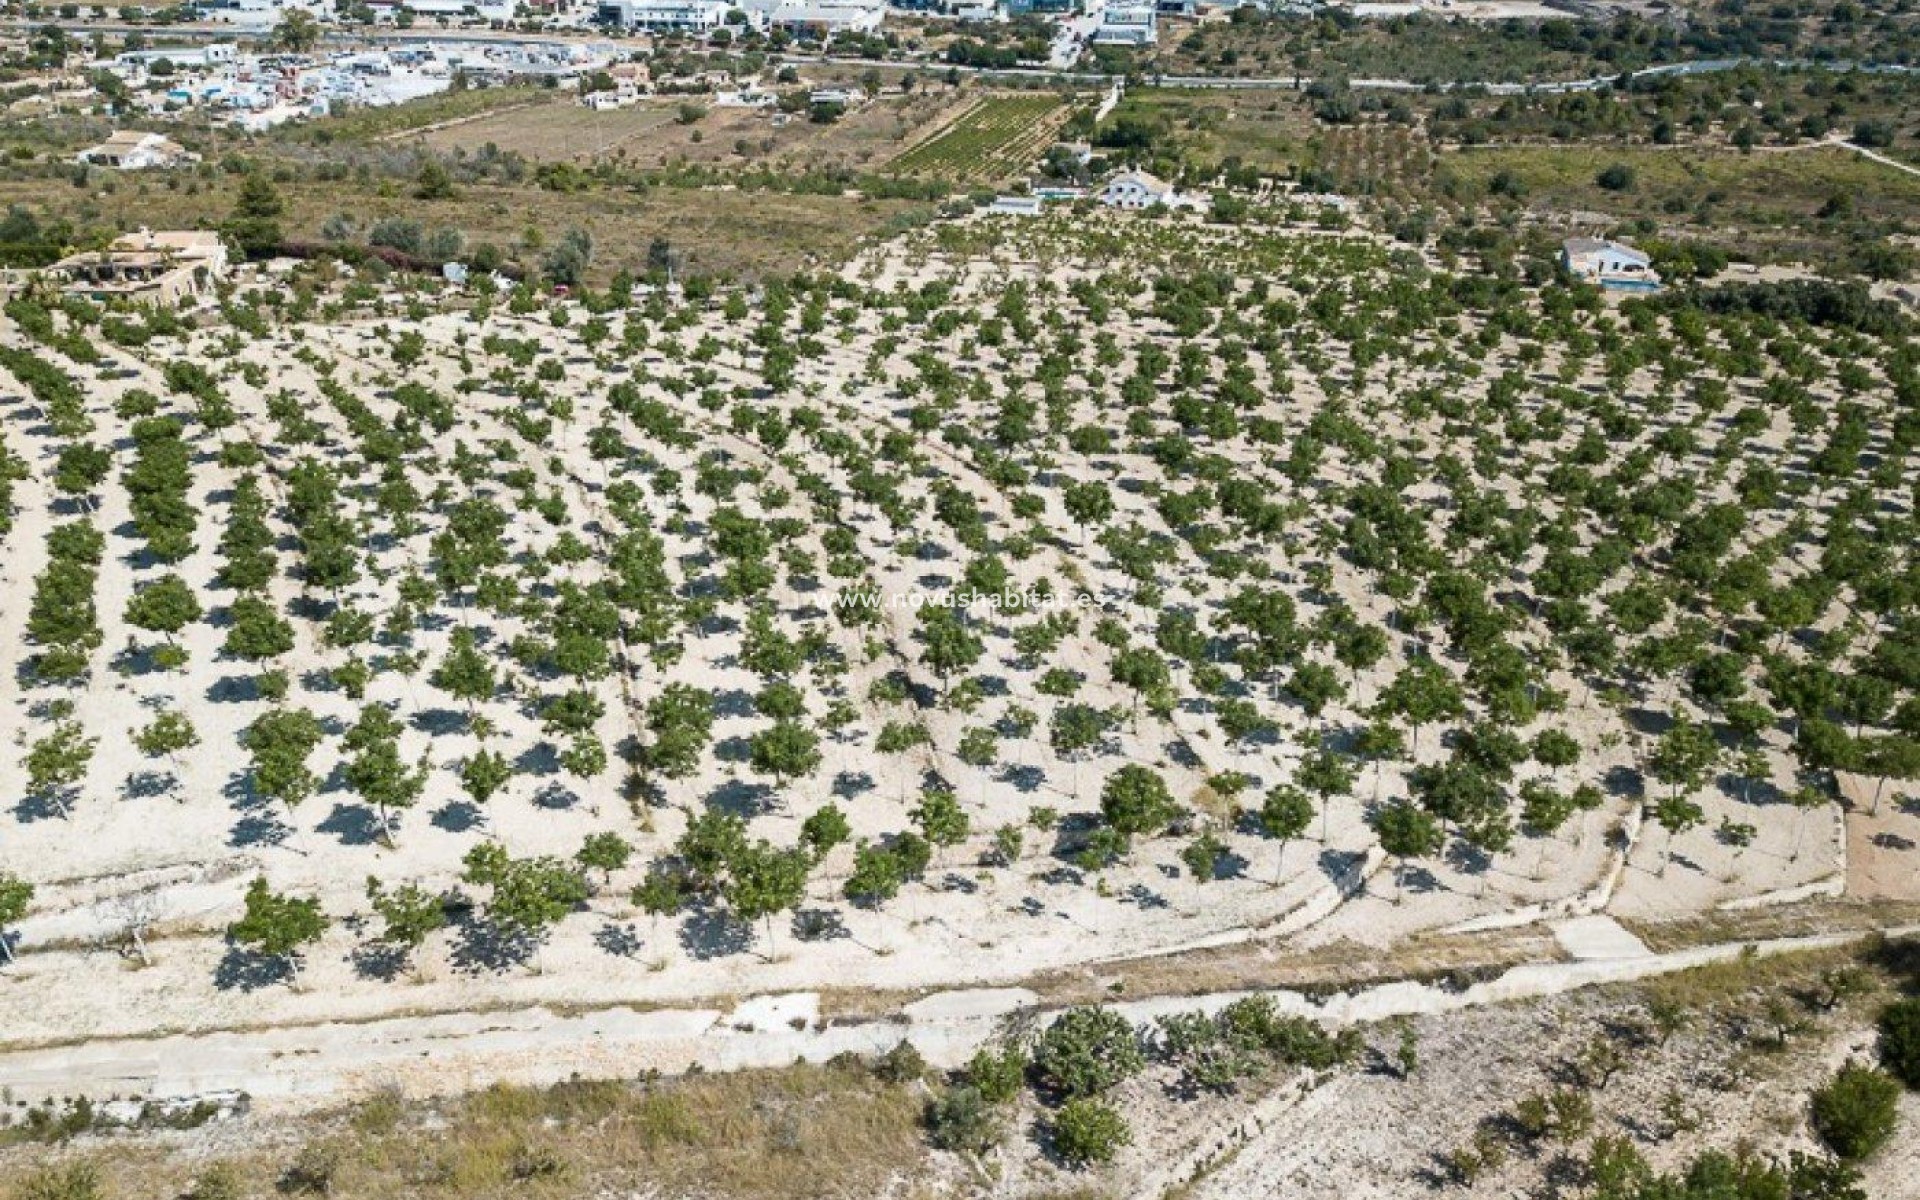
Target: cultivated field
{"x": 1022, "y": 599}
{"x": 992, "y": 141}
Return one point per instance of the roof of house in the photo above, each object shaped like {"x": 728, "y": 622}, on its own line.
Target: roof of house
{"x": 1580, "y": 246}
{"x": 1149, "y": 182}
{"x": 175, "y": 241}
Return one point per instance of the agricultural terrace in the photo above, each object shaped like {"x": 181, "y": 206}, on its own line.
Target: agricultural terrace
{"x": 377, "y": 656}
{"x": 994, "y": 140}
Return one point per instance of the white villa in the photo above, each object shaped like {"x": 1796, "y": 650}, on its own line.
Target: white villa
{"x": 136, "y": 150}
{"x": 1137, "y": 189}
{"x": 148, "y": 267}
{"x": 1609, "y": 264}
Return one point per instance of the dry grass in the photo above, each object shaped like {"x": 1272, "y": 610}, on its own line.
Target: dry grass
{"x": 1778, "y": 921}
{"x": 794, "y": 1134}
{"x": 727, "y": 232}
{"x": 652, "y": 134}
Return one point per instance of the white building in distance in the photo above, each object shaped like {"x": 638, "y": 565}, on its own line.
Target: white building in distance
{"x": 1128, "y": 24}
{"x": 1609, "y": 264}
{"x": 136, "y": 150}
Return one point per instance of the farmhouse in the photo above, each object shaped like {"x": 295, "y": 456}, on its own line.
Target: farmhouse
{"x": 169, "y": 267}
{"x": 1136, "y": 189}
{"x": 136, "y": 150}
{"x": 1607, "y": 263}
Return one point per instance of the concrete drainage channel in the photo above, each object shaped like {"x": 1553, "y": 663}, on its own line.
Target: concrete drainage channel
{"x": 287, "y": 1069}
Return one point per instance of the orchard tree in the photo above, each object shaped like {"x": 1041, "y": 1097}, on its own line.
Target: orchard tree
{"x": 167, "y": 735}
{"x": 1284, "y": 814}
{"x": 376, "y": 770}
{"x": 484, "y": 773}
{"x": 949, "y": 644}
{"x": 528, "y": 895}
{"x": 824, "y": 830}
{"x": 58, "y": 762}
{"x": 785, "y": 751}
{"x": 1135, "y": 801}
{"x": 278, "y": 926}
{"x": 940, "y": 818}
{"x": 257, "y": 632}
{"x": 279, "y": 742}
{"x": 465, "y": 673}
{"x": 1420, "y": 695}
{"x": 763, "y": 881}
{"x": 15, "y": 895}
{"x": 680, "y": 719}
{"x": 409, "y": 914}
{"x": 165, "y": 606}
{"x": 605, "y": 852}
{"x": 1406, "y": 831}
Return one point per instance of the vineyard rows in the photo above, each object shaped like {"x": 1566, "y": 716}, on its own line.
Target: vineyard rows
{"x": 996, "y": 138}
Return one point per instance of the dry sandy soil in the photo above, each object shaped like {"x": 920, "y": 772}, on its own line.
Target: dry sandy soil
{"x": 170, "y": 846}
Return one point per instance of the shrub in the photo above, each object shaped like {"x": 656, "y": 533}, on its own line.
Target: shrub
{"x": 997, "y": 1076}
{"x": 1087, "y": 1132}
{"x": 1855, "y": 1113}
{"x": 312, "y": 1170}
{"x": 902, "y": 1064}
{"x": 71, "y": 1181}
{"x": 1900, "y": 1041}
{"x": 962, "y": 1119}
{"x": 1616, "y": 177}
{"x": 1086, "y": 1051}
{"x": 220, "y": 1181}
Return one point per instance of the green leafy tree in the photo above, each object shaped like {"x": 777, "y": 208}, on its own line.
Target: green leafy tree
{"x": 1285, "y": 814}
{"x": 15, "y": 895}
{"x": 1857, "y": 1111}
{"x": 763, "y": 881}
{"x": 484, "y": 774}
{"x": 279, "y": 742}
{"x": 824, "y": 830}
{"x": 278, "y": 926}
{"x": 58, "y": 762}
{"x": 787, "y": 750}
{"x": 1135, "y": 801}
{"x": 940, "y": 818}
{"x": 1406, "y": 831}
{"x": 1086, "y": 1132}
{"x": 1087, "y": 1052}
{"x": 605, "y": 852}
{"x": 409, "y": 914}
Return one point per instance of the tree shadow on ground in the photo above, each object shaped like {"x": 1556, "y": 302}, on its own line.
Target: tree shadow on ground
{"x": 353, "y": 824}
{"x": 263, "y": 827}
{"x": 379, "y": 961}
{"x": 710, "y": 933}
{"x": 480, "y": 946}
{"x": 819, "y": 925}
{"x": 621, "y": 940}
{"x": 244, "y": 970}
{"x": 458, "y": 816}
